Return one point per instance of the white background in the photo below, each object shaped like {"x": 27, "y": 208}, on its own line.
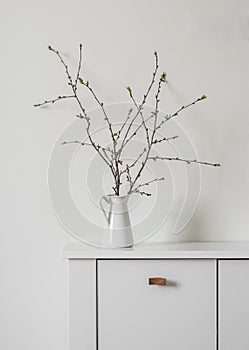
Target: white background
{"x": 203, "y": 46}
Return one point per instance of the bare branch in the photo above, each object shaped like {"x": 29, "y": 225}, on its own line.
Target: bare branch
{"x": 151, "y": 141}
{"x": 101, "y": 104}
{"x": 125, "y": 122}
{"x": 76, "y": 142}
{"x": 188, "y": 161}
{"x": 129, "y": 179}
{"x": 135, "y": 161}
{"x": 165, "y": 139}
{"x": 161, "y": 80}
{"x": 188, "y": 105}
{"x": 143, "y": 193}
{"x": 146, "y": 184}
{"x": 153, "y": 79}
{"x": 170, "y": 116}
{"x": 142, "y": 103}
{"x": 79, "y": 67}
{"x": 142, "y": 117}
{"x": 64, "y": 64}
{"x": 103, "y": 149}
{"x": 136, "y": 130}
{"x": 59, "y": 98}
{"x": 114, "y": 160}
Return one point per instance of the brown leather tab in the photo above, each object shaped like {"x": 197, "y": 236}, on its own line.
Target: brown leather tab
{"x": 159, "y": 281}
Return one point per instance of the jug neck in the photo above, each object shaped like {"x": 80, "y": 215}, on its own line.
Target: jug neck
{"x": 118, "y": 199}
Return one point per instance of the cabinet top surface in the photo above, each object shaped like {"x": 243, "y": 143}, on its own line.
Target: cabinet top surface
{"x": 181, "y": 250}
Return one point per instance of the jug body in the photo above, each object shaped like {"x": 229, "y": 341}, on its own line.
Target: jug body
{"x": 118, "y": 233}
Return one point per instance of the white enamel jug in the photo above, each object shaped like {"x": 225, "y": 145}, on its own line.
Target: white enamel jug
{"x": 118, "y": 233}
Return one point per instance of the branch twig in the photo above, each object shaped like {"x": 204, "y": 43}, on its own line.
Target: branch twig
{"x": 165, "y": 139}
{"x": 188, "y": 161}
{"x": 146, "y": 184}
{"x": 53, "y": 100}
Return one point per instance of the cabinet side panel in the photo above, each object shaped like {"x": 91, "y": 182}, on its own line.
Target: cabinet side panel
{"x": 233, "y": 304}
{"x": 82, "y": 304}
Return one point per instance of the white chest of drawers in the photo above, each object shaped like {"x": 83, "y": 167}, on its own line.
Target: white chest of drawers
{"x": 199, "y": 302}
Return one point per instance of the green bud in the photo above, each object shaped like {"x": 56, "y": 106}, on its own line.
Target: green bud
{"x": 203, "y": 97}
{"x": 163, "y": 77}
{"x": 81, "y": 80}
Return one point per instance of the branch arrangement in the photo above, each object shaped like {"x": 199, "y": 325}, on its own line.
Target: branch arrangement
{"x": 134, "y": 122}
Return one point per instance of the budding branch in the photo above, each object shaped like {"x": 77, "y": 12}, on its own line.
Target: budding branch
{"x": 113, "y": 156}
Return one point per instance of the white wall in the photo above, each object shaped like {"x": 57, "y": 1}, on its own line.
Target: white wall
{"x": 204, "y": 47}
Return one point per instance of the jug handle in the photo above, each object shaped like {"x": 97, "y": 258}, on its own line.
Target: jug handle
{"x": 107, "y": 200}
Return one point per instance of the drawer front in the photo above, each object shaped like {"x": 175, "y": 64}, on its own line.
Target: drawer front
{"x": 136, "y": 315}
{"x": 234, "y": 304}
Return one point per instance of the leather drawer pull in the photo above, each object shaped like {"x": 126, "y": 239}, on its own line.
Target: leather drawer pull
{"x": 159, "y": 281}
